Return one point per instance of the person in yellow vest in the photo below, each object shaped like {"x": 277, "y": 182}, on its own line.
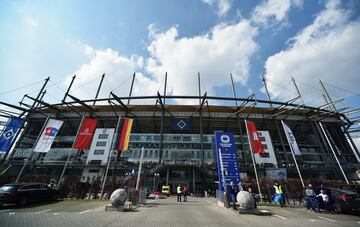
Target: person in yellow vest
{"x": 279, "y": 194}
{"x": 178, "y": 191}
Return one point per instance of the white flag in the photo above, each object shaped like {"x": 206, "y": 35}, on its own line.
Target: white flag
{"x": 291, "y": 139}
{"x": 48, "y": 135}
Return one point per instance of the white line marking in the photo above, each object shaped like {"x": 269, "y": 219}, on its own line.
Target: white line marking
{"x": 326, "y": 219}
{"x": 43, "y": 211}
{"x": 11, "y": 213}
{"x": 359, "y": 222}
{"x": 313, "y": 220}
{"x": 211, "y": 203}
{"x": 55, "y": 213}
{"x": 279, "y": 216}
{"x": 3, "y": 211}
{"x": 84, "y": 211}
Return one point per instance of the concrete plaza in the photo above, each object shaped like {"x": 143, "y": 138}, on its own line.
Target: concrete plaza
{"x": 164, "y": 212}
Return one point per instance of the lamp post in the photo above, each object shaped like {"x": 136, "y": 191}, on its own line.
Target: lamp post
{"x": 156, "y": 175}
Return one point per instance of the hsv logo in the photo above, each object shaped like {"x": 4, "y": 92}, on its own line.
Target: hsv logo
{"x": 8, "y": 134}
{"x": 181, "y": 124}
{"x": 50, "y": 131}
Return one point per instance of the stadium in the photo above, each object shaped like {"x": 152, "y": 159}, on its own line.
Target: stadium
{"x": 178, "y": 141}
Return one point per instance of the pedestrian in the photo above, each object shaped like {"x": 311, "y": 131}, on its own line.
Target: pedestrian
{"x": 325, "y": 199}
{"x": 310, "y": 198}
{"x": 185, "y": 192}
{"x": 178, "y": 191}
{"x": 279, "y": 194}
{"x": 253, "y": 195}
{"x": 233, "y": 193}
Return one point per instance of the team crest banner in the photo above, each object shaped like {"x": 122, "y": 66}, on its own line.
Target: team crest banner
{"x": 48, "y": 135}
{"x": 8, "y": 134}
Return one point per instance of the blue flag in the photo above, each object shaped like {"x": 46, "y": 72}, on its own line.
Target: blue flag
{"x": 8, "y": 134}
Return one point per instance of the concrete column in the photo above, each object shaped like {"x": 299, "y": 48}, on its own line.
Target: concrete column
{"x": 194, "y": 189}
{"x": 167, "y": 176}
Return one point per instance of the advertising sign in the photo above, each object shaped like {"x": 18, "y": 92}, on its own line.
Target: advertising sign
{"x": 225, "y": 146}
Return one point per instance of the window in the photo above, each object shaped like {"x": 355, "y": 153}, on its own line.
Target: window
{"x": 101, "y": 144}
{"x": 262, "y": 138}
{"x": 30, "y": 187}
{"x": 265, "y": 155}
{"x": 99, "y": 152}
{"x": 103, "y": 136}
{"x": 93, "y": 170}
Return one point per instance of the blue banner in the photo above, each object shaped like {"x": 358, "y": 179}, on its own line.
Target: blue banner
{"x": 8, "y": 134}
{"x": 181, "y": 124}
{"x": 224, "y": 141}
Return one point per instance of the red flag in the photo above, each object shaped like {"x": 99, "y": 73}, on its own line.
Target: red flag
{"x": 85, "y": 134}
{"x": 257, "y": 146}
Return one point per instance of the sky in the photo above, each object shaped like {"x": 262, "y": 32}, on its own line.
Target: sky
{"x": 278, "y": 39}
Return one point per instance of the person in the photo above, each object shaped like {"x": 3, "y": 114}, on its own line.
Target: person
{"x": 279, "y": 194}
{"x": 233, "y": 193}
{"x": 185, "y": 192}
{"x": 178, "y": 191}
{"x": 325, "y": 199}
{"x": 253, "y": 194}
{"x": 310, "y": 198}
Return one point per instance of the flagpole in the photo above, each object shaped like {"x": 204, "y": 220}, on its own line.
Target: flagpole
{"x": 139, "y": 172}
{"x": 293, "y": 154}
{"x": 109, "y": 158}
{"x": 332, "y": 149}
{"x": 32, "y": 151}
{"x": 253, "y": 160}
{"x": 68, "y": 157}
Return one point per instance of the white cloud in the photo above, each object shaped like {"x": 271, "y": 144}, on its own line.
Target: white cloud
{"x": 226, "y": 48}
{"x": 117, "y": 68}
{"x": 328, "y": 49}
{"x": 222, "y": 6}
{"x": 274, "y": 12}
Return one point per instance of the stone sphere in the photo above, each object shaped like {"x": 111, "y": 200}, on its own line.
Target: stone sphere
{"x": 245, "y": 200}
{"x": 118, "y": 197}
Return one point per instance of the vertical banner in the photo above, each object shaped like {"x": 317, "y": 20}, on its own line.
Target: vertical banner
{"x": 124, "y": 130}
{"x": 291, "y": 139}
{"x": 256, "y": 144}
{"x": 85, "y": 135}
{"x": 9, "y": 133}
{"x": 225, "y": 145}
{"x": 48, "y": 135}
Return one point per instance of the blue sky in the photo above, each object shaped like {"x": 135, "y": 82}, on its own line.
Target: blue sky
{"x": 309, "y": 40}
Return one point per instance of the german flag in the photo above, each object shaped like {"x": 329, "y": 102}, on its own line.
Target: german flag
{"x": 124, "y": 130}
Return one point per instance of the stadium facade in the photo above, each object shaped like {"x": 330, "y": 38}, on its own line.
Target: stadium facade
{"x": 178, "y": 141}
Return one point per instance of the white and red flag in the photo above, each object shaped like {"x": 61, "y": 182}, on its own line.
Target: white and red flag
{"x": 256, "y": 144}
{"x": 48, "y": 135}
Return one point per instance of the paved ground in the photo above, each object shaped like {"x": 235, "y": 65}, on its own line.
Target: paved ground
{"x": 165, "y": 212}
